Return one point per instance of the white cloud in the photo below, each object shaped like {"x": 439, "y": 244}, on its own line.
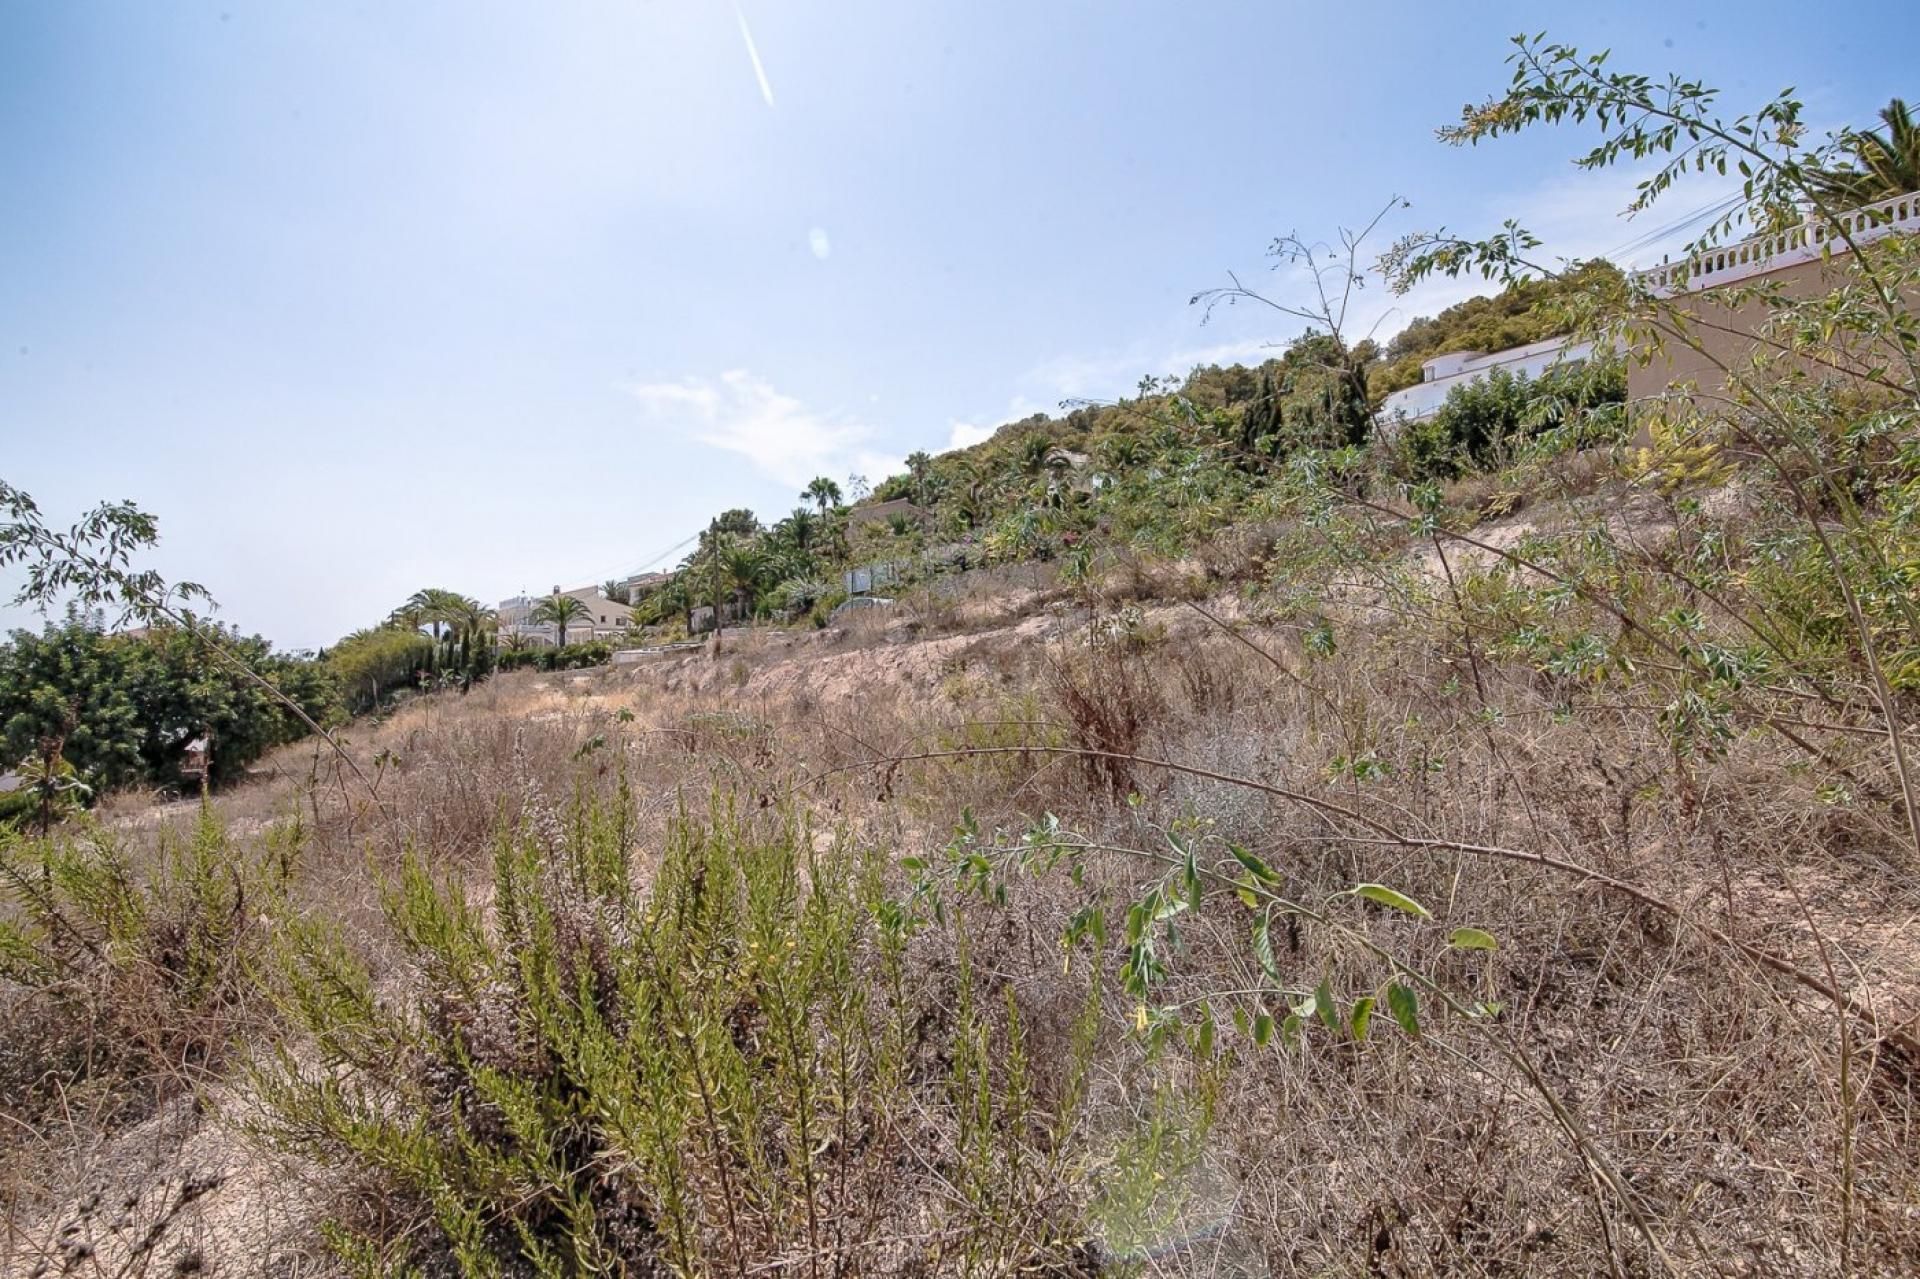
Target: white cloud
{"x": 744, "y": 414}
{"x": 962, "y": 435}
{"x": 818, "y": 242}
{"x": 967, "y": 434}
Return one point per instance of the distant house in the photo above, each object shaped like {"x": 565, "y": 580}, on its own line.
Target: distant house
{"x": 886, "y": 512}
{"x": 606, "y": 619}
{"x": 640, "y": 585}
{"x": 1440, "y": 375}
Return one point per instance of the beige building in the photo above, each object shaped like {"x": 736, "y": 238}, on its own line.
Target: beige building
{"x": 606, "y": 619}
{"x": 898, "y": 508}
{"x": 641, "y": 585}
{"x": 1705, "y": 337}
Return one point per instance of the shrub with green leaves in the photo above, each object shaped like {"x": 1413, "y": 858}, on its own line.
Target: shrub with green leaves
{"x": 1487, "y": 422}
{"x": 124, "y": 706}
{"x": 125, "y": 985}
{"x": 733, "y": 1069}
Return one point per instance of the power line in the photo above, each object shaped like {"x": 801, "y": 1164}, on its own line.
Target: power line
{"x": 1708, "y": 212}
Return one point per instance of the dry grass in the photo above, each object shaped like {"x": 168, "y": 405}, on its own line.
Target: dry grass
{"x": 1626, "y": 1038}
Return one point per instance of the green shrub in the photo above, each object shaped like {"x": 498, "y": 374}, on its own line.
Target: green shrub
{"x": 1485, "y": 423}
{"x": 823, "y": 607}
{"x": 571, "y": 658}
{"x": 16, "y": 807}
{"x": 124, "y": 706}
{"x": 126, "y": 986}
{"x": 584, "y": 1079}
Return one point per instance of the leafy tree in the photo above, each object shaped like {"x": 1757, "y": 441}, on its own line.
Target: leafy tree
{"x": 560, "y": 611}
{"x": 67, "y": 692}
{"x": 738, "y": 522}
{"x": 1314, "y": 396}
{"x": 120, "y": 708}
{"x": 370, "y": 664}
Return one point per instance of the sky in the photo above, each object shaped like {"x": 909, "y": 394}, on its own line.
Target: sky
{"x": 361, "y": 298}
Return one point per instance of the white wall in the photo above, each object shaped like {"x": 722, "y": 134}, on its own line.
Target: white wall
{"x": 1423, "y": 399}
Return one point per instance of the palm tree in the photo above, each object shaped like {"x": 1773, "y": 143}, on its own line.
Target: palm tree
{"x": 670, "y": 598}
{"x": 1030, "y": 455}
{"x": 822, "y": 492}
{"x": 919, "y": 463}
{"x": 408, "y": 617}
{"x": 562, "y": 611}
{"x": 798, "y": 529}
{"x": 1878, "y": 165}
{"x": 434, "y": 607}
{"x": 705, "y": 572}
{"x": 470, "y": 616}
{"x": 743, "y": 565}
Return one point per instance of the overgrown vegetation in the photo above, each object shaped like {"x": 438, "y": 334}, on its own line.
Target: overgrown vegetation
{"x": 750, "y": 1065}
{"x": 120, "y": 708}
{"x": 128, "y": 984}
{"x": 1490, "y": 851}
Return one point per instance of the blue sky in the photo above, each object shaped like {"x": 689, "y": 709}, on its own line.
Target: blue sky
{"x": 362, "y": 298}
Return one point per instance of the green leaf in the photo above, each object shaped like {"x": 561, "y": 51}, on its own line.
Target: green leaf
{"x": 1388, "y": 897}
{"x": 1472, "y": 939}
{"x": 1085, "y": 922}
{"x": 1204, "y": 1040}
{"x": 1240, "y": 1021}
{"x": 1263, "y": 1028}
{"x": 1259, "y": 869}
{"x": 1263, "y": 949}
{"x": 1405, "y": 1007}
{"x": 913, "y": 863}
{"x": 1323, "y": 1006}
{"x": 1362, "y": 1016}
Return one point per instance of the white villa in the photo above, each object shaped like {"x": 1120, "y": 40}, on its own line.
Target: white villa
{"x": 1442, "y": 373}
{"x": 606, "y": 619}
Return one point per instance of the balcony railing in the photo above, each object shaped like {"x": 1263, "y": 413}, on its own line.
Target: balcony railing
{"x": 1807, "y": 242}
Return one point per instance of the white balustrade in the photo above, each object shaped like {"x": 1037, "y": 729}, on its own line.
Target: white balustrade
{"x": 1808, "y": 242}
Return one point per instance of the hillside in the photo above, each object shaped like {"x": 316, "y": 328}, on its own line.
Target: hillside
{"x": 1246, "y": 841}
{"x": 1164, "y": 470}
{"x": 1584, "y": 901}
